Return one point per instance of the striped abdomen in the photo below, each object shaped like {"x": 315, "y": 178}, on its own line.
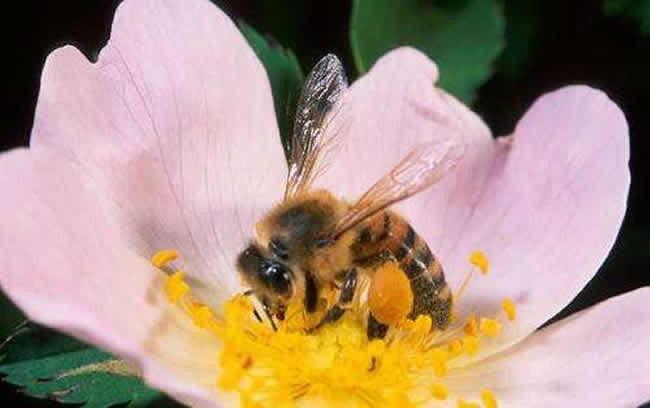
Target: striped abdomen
{"x": 388, "y": 233}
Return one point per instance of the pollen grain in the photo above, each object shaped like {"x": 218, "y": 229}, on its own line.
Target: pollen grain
{"x": 337, "y": 364}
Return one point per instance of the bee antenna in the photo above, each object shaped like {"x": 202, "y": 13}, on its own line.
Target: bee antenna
{"x": 248, "y": 292}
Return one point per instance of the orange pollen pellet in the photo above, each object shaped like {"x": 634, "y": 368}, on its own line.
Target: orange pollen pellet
{"x": 390, "y": 297}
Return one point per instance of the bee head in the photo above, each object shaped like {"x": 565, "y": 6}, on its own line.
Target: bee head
{"x": 269, "y": 278}
{"x": 289, "y": 245}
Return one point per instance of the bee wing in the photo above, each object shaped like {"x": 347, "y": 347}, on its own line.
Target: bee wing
{"x": 421, "y": 168}
{"x": 312, "y": 138}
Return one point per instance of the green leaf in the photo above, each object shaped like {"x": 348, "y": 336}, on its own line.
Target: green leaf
{"x": 523, "y": 33}
{"x": 47, "y": 364}
{"x": 10, "y": 316}
{"x": 464, "y": 38}
{"x": 615, "y": 7}
{"x": 32, "y": 342}
{"x": 285, "y": 76}
{"x": 633, "y": 10}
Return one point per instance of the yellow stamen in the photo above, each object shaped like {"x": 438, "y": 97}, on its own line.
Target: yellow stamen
{"x": 509, "y": 308}
{"x": 439, "y": 391}
{"x": 470, "y": 345}
{"x": 162, "y": 258}
{"x": 488, "y": 398}
{"x": 463, "y": 286}
{"x": 201, "y": 315}
{"x": 175, "y": 287}
{"x": 439, "y": 359}
{"x": 471, "y": 327}
{"x": 423, "y": 324}
{"x": 336, "y": 364}
{"x": 461, "y": 403}
{"x": 478, "y": 259}
{"x": 455, "y": 348}
{"x": 490, "y": 327}
{"x": 376, "y": 347}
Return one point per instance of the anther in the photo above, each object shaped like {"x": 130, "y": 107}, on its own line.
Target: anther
{"x": 423, "y": 324}
{"x": 461, "y": 403}
{"x": 470, "y": 345}
{"x": 439, "y": 361}
{"x": 201, "y": 315}
{"x": 162, "y": 258}
{"x": 490, "y": 327}
{"x": 376, "y": 347}
{"x": 509, "y": 308}
{"x": 175, "y": 286}
{"x": 439, "y": 391}
{"x": 471, "y": 327}
{"x": 455, "y": 348}
{"x": 478, "y": 259}
{"x": 488, "y": 398}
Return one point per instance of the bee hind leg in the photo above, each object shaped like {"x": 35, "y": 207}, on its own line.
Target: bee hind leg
{"x": 345, "y": 298}
{"x": 376, "y": 329}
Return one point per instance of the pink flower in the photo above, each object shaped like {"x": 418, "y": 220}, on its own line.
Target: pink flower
{"x": 169, "y": 140}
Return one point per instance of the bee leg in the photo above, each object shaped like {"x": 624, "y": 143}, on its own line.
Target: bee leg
{"x": 345, "y": 297}
{"x": 332, "y": 315}
{"x": 267, "y": 312}
{"x": 311, "y": 293}
{"x": 349, "y": 287}
{"x": 376, "y": 329}
{"x": 280, "y": 312}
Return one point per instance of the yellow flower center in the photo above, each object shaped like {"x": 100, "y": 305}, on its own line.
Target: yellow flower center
{"x": 335, "y": 365}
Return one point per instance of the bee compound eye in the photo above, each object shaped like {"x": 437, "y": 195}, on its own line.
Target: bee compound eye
{"x": 278, "y": 278}
{"x": 249, "y": 261}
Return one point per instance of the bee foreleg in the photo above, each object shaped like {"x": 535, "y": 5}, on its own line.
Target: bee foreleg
{"x": 267, "y": 312}
{"x": 311, "y": 293}
{"x": 345, "y": 298}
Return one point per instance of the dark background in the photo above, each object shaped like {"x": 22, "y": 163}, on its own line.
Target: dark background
{"x": 571, "y": 42}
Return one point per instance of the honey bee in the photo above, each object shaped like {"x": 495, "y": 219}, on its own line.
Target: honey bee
{"x": 313, "y": 239}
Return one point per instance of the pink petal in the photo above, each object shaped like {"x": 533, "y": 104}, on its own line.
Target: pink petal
{"x": 545, "y": 206}
{"x": 65, "y": 266}
{"x": 551, "y": 210}
{"x": 387, "y": 112}
{"x": 596, "y": 358}
{"x": 175, "y": 125}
